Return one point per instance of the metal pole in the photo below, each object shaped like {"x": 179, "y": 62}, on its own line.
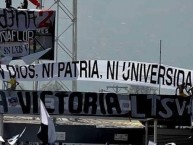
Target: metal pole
{"x": 160, "y": 62}
{"x": 116, "y": 88}
{"x": 146, "y": 132}
{"x": 1, "y": 126}
{"x": 37, "y": 61}
{"x": 74, "y": 40}
{"x": 57, "y": 30}
{"x": 41, "y": 4}
{"x": 155, "y": 130}
{"x": 1, "y": 115}
{"x": 155, "y": 120}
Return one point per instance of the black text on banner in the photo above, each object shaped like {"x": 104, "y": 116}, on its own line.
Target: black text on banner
{"x": 65, "y": 103}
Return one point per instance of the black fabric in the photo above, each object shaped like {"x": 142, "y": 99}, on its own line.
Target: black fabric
{"x": 8, "y": 3}
{"x": 24, "y": 4}
{"x": 43, "y": 133}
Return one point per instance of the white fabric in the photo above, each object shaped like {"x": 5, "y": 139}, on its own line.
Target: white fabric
{"x": 14, "y": 139}
{"x": 1, "y": 139}
{"x": 170, "y": 143}
{"x": 47, "y": 120}
{"x": 43, "y": 114}
{"x": 28, "y": 59}
{"x": 6, "y": 60}
{"x": 51, "y": 131}
{"x": 151, "y": 143}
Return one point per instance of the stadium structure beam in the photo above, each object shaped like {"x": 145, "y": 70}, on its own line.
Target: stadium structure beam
{"x": 74, "y": 40}
{"x": 70, "y": 12}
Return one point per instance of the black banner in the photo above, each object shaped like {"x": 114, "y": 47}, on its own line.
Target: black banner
{"x": 61, "y": 103}
{"x": 160, "y": 106}
{"x": 65, "y": 103}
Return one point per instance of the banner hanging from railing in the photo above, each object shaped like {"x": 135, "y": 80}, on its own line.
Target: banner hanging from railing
{"x": 127, "y": 72}
{"x": 27, "y": 31}
{"x": 61, "y": 103}
{"x": 65, "y": 103}
{"x": 160, "y": 106}
{"x": 177, "y": 109}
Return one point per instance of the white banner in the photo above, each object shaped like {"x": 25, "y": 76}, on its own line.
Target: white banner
{"x": 127, "y": 72}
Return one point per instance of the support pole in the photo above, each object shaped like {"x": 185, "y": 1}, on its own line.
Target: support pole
{"x": 155, "y": 120}
{"x": 1, "y": 125}
{"x": 41, "y": 4}
{"x": 160, "y": 61}
{"x": 146, "y": 132}
{"x": 37, "y": 61}
{"x": 57, "y": 30}
{"x": 74, "y": 40}
{"x": 155, "y": 130}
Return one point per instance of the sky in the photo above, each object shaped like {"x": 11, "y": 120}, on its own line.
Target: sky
{"x": 132, "y": 30}
{"x": 129, "y": 30}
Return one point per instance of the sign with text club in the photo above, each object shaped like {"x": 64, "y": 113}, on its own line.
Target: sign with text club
{"x": 27, "y": 31}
